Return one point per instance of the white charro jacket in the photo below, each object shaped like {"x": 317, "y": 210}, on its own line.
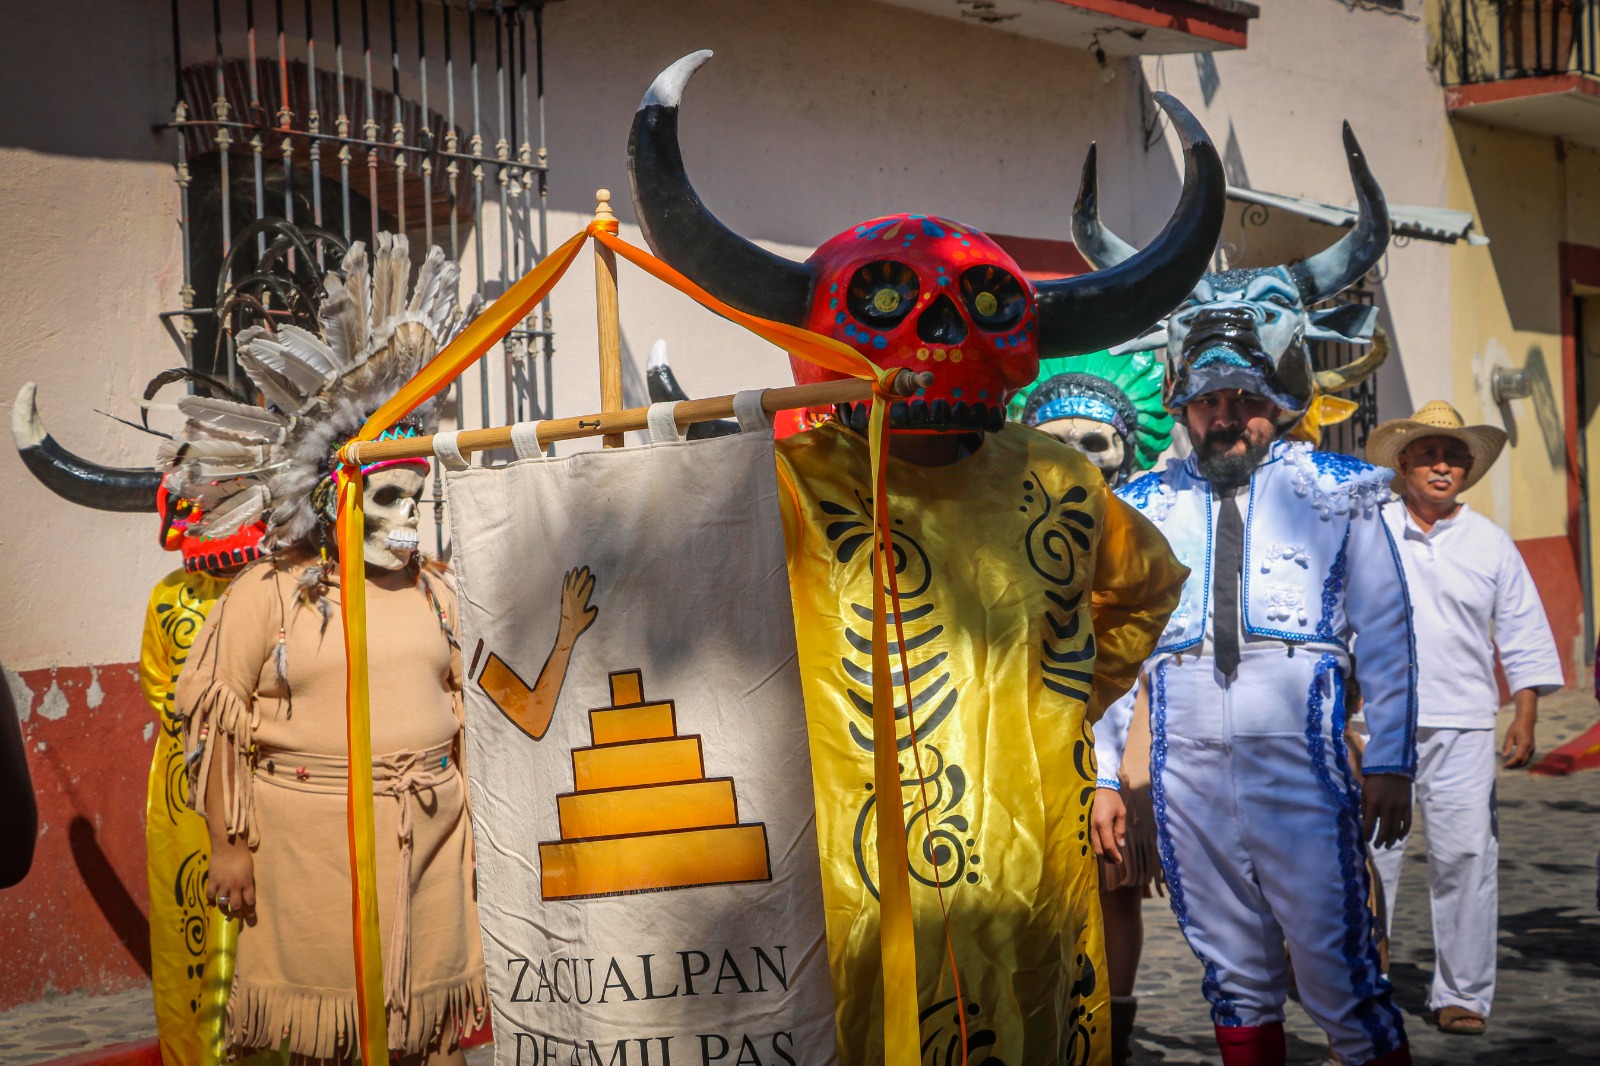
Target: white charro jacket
{"x": 1320, "y": 570}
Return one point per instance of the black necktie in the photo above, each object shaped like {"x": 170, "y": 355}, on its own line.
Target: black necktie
{"x": 1226, "y": 568}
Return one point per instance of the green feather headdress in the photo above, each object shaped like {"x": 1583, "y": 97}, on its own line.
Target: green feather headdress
{"x": 1124, "y": 391}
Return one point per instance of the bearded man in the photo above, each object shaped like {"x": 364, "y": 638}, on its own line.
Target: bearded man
{"x": 1294, "y": 586}
{"x": 1472, "y": 595}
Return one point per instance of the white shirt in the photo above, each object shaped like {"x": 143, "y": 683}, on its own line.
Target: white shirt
{"x": 1470, "y": 594}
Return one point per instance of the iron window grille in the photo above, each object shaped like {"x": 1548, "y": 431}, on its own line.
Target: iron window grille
{"x": 286, "y": 112}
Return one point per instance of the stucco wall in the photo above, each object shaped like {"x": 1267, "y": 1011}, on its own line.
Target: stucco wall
{"x": 1276, "y": 110}
{"x": 815, "y": 114}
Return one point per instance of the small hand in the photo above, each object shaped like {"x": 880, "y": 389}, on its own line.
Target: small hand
{"x": 1108, "y": 824}
{"x": 576, "y": 614}
{"x": 1518, "y": 746}
{"x": 1385, "y": 809}
{"x": 232, "y": 882}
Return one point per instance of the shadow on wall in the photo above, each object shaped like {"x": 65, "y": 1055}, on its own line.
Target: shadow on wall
{"x": 1546, "y": 409}
{"x": 120, "y": 910}
{"x": 814, "y": 116}
{"x": 1517, "y": 187}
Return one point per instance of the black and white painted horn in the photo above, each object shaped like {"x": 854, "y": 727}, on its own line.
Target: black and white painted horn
{"x": 104, "y": 488}
{"x": 1336, "y": 268}
{"x": 679, "y": 228}
{"x": 1105, "y": 307}
{"x": 1095, "y": 242}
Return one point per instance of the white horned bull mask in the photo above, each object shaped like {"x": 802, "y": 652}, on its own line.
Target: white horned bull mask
{"x": 1248, "y": 328}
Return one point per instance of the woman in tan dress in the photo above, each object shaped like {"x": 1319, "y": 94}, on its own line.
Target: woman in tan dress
{"x": 271, "y": 752}
{"x": 264, "y": 690}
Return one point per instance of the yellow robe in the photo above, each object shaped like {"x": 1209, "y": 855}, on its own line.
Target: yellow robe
{"x": 1001, "y": 556}
{"x": 190, "y": 954}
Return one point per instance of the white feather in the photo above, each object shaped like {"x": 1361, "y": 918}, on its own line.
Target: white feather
{"x": 234, "y": 419}
{"x": 358, "y": 287}
{"x": 209, "y": 495}
{"x": 279, "y": 390}
{"x": 172, "y": 452}
{"x": 304, "y": 379}
{"x": 473, "y": 309}
{"x": 233, "y": 514}
{"x": 390, "y": 272}
{"x": 310, "y": 350}
{"x": 344, "y": 329}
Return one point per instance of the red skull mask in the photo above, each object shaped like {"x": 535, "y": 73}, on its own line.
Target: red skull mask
{"x": 926, "y": 293}
{"x": 920, "y": 292}
{"x": 213, "y": 555}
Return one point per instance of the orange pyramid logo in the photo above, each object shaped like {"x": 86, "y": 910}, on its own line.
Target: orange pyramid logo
{"x": 642, "y": 816}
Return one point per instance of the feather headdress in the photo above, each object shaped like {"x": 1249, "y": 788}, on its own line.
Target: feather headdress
{"x": 270, "y": 461}
{"x": 1122, "y": 391}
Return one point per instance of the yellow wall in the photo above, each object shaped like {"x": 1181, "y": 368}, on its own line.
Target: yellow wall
{"x": 1529, "y": 194}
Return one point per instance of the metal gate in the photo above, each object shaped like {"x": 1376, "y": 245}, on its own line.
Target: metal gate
{"x": 1349, "y": 436}
{"x": 424, "y": 117}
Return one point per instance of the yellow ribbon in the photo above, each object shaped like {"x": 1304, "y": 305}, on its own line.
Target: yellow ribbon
{"x": 898, "y": 945}
{"x": 371, "y": 1026}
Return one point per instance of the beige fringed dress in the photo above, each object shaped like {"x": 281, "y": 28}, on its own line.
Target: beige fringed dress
{"x": 278, "y": 740}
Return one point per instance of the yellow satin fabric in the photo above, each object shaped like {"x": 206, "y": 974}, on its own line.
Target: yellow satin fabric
{"x": 190, "y": 957}
{"x": 1002, "y": 555}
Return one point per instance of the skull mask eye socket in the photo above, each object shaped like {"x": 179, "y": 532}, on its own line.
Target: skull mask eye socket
{"x": 882, "y": 294}
{"x": 994, "y": 298}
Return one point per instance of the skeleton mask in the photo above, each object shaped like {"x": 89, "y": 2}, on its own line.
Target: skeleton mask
{"x": 1247, "y": 329}
{"x": 1103, "y": 445}
{"x": 390, "y": 506}
{"x": 917, "y": 291}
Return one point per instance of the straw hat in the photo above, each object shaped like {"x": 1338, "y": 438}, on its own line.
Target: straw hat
{"x": 1435, "y": 419}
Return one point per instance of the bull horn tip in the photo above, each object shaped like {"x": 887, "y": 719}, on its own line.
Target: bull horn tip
{"x": 27, "y": 428}
{"x": 1190, "y": 132}
{"x": 658, "y": 354}
{"x": 667, "y": 89}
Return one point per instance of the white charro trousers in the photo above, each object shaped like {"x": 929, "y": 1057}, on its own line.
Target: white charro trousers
{"x": 1258, "y": 822}
{"x": 1455, "y": 796}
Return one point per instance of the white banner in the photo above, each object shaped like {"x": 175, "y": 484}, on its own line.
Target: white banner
{"x": 636, "y": 745}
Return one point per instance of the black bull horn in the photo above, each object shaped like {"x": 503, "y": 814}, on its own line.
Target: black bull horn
{"x": 1076, "y": 315}
{"x": 1318, "y": 277}
{"x": 104, "y": 488}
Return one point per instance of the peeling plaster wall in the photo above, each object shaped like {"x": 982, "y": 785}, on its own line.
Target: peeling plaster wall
{"x": 92, "y": 254}
{"x": 814, "y": 115}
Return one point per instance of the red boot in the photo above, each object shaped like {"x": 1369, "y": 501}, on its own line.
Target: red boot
{"x": 1253, "y": 1045}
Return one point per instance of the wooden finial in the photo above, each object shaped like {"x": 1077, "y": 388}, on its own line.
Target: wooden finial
{"x": 602, "y": 206}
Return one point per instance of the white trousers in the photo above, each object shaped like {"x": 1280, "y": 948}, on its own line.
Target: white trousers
{"x": 1259, "y": 826}
{"x": 1455, "y": 796}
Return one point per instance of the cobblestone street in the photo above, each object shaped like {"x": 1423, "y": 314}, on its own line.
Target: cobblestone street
{"x": 1547, "y": 1002}
{"x": 1547, "y": 1007}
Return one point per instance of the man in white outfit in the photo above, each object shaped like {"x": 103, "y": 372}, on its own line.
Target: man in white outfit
{"x": 1470, "y": 595}
{"x": 1295, "y": 585}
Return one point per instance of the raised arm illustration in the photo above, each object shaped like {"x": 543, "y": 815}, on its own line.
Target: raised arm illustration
{"x": 531, "y": 708}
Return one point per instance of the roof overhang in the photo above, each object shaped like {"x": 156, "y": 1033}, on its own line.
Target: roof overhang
{"x": 1551, "y": 105}
{"x": 1119, "y": 27}
{"x": 1419, "y": 223}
